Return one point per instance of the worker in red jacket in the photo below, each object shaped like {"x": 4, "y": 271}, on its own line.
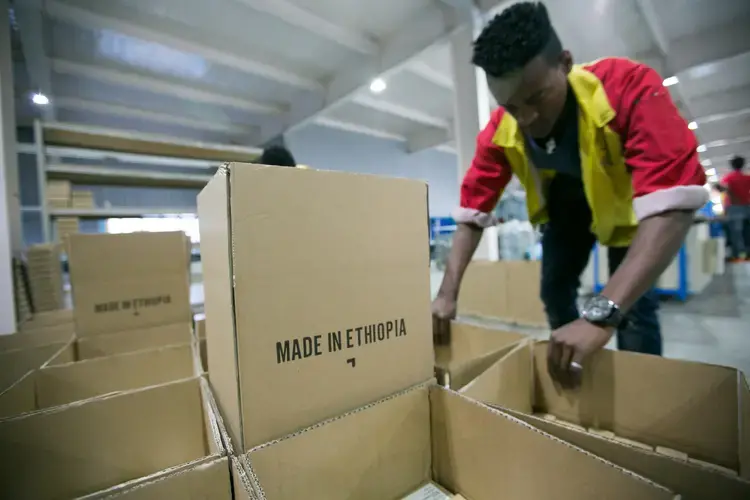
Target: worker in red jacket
{"x": 736, "y": 188}
{"x": 603, "y": 154}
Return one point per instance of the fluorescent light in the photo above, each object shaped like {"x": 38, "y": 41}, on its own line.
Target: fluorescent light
{"x": 40, "y": 99}
{"x": 672, "y": 80}
{"x": 692, "y": 125}
{"x": 711, "y": 172}
{"x": 701, "y": 148}
{"x": 378, "y": 85}
{"x": 706, "y": 163}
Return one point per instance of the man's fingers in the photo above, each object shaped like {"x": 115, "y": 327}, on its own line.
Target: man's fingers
{"x": 553, "y": 358}
{"x": 566, "y": 355}
{"x": 440, "y": 330}
{"x": 576, "y": 369}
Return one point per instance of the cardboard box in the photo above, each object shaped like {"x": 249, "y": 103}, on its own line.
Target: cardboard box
{"x": 39, "y": 338}
{"x": 631, "y": 400}
{"x": 472, "y": 349}
{"x": 506, "y": 290}
{"x": 99, "y": 443}
{"x": 128, "y": 281}
{"x": 301, "y": 335}
{"x": 47, "y": 319}
{"x": 15, "y": 363}
{"x": 65, "y": 383}
{"x": 202, "y": 480}
{"x": 134, "y": 340}
{"x": 388, "y": 449}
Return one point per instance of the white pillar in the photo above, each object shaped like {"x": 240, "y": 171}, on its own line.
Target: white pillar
{"x": 10, "y": 210}
{"x": 472, "y": 112}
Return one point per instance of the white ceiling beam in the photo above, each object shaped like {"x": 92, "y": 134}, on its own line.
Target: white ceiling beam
{"x": 103, "y": 108}
{"x": 414, "y": 36}
{"x": 303, "y": 19}
{"x": 357, "y": 128}
{"x": 167, "y": 36}
{"x": 427, "y": 72}
{"x": 694, "y": 52}
{"x": 160, "y": 86}
{"x": 410, "y": 114}
{"x": 721, "y": 102}
{"x": 737, "y": 114}
{"x": 427, "y": 138}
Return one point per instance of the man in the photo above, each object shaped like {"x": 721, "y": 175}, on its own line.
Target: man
{"x": 603, "y": 155}
{"x": 277, "y": 156}
{"x": 736, "y": 188}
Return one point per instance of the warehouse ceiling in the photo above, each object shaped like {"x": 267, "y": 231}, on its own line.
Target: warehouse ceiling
{"x": 245, "y": 71}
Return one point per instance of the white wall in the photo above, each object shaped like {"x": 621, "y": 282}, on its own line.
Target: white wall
{"x": 330, "y": 149}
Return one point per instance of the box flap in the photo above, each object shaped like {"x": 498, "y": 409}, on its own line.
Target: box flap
{"x": 41, "y": 337}
{"x": 470, "y": 341}
{"x": 683, "y": 405}
{"x": 691, "y": 481}
{"x": 134, "y": 340}
{"x": 16, "y": 363}
{"x": 483, "y": 290}
{"x": 127, "y": 281}
{"x": 361, "y": 304}
{"x": 481, "y": 452}
{"x": 95, "y": 444}
{"x": 61, "y": 384}
{"x": 508, "y": 383}
{"x": 744, "y": 426}
{"x": 19, "y": 397}
{"x": 381, "y": 451}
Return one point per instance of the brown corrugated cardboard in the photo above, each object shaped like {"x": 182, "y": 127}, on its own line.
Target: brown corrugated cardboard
{"x": 102, "y": 442}
{"x": 472, "y": 349}
{"x": 648, "y": 401}
{"x": 388, "y": 449}
{"x": 66, "y": 354}
{"x": 339, "y": 323}
{"x": 205, "y": 480}
{"x": 38, "y": 338}
{"x": 507, "y": 290}
{"x": 19, "y": 397}
{"x": 48, "y": 319}
{"x": 16, "y": 363}
{"x": 128, "y": 281}
{"x": 133, "y": 340}
{"x": 62, "y": 384}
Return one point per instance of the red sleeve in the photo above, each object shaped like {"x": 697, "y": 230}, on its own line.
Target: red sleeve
{"x": 485, "y": 180}
{"x": 660, "y": 149}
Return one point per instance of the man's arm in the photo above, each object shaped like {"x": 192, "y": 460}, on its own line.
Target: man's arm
{"x": 465, "y": 242}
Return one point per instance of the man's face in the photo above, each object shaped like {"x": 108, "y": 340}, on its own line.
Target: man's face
{"x": 534, "y": 95}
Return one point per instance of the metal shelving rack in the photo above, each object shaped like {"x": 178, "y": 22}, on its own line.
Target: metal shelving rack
{"x": 56, "y": 140}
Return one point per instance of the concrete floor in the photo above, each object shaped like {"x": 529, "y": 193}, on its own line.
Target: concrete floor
{"x": 713, "y": 327}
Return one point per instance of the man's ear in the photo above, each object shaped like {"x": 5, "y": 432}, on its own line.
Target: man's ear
{"x": 566, "y": 60}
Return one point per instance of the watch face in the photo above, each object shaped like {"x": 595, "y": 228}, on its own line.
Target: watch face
{"x": 598, "y": 309}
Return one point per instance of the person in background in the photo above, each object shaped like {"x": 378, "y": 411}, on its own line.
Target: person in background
{"x": 603, "y": 154}
{"x": 278, "y": 156}
{"x": 736, "y": 189}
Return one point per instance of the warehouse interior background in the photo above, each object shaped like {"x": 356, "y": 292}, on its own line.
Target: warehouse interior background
{"x": 381, "y": 88}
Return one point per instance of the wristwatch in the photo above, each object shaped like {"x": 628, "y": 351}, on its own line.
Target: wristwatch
{"x": 601, "y": 311}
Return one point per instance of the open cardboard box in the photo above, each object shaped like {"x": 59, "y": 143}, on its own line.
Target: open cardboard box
{"x": 37, "y": 337}
{"x": 507, "y": 290}
{"x": 388, "y": 449}
{"x": 78, "y": 449}
{"x": 47, "y": 319}
{"x": 65, "y": 383}
{"x": 682, "y": 424}
{"x": 471, "y": 350}
{"x": 134, "y": 340}
{"x": 296, "y": 336}
{"x": 15, "y": 363}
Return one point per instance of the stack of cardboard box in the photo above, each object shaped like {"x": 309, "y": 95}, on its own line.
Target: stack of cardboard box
{"x": 66, "y": 226}
{"x": 45, "y": 277}
{"x": 58, "y": 194}
{"x": 81, "y": 198}
{"x": 21, "y": 290}
{"x": 322, "y": 360}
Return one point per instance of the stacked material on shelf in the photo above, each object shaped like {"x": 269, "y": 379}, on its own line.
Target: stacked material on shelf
{"x": 21, "y": 292}
{"x": 66, "y": 226}
{"x": 58, "y": 194}
{"x": 82, "y": 198}
{"x": 45, "y": 277}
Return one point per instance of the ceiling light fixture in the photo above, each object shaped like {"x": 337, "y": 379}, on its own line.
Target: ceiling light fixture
{"x": 378, "y": 85}
{"x": 701, "y": 149}
{"x": 706, "y": 163}
{"x": 672, "y": 80}
{"x": 693, "y": 125}
{"x": 40, "y": 99}
{"x": 711, "y": 172}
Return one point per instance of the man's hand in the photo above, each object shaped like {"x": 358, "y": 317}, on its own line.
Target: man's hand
{"x": 443, "y": 311}
{"x": 570, "y": 346}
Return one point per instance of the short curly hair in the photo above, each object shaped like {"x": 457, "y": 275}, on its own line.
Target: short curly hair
{"x": 737, "y": 162}
{"x": 514, "y": 37}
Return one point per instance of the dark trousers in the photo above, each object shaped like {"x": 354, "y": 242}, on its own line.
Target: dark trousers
{"x": 566, "y": 248}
